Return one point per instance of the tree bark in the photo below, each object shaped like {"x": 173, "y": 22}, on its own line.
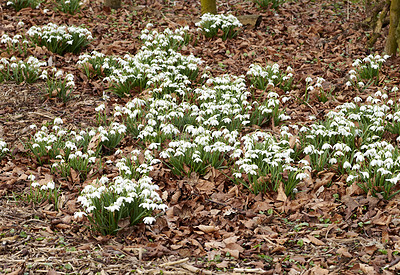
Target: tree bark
{"x": 114, "y": 4}
{"x": 391, "y": 42}
{"x": 379, "y": 24}
{"x": 208, "y": 6}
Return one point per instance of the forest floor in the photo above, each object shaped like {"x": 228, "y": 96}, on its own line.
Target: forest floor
{"x": 212, "y": 225}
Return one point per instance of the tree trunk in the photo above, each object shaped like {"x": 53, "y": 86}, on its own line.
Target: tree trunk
{"x": 208, "y": 6}
{"x": 391, "y": 42}
{"x": 114, "y": 4}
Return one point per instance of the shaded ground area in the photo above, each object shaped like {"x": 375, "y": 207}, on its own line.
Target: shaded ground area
{"x": 211, "y": 225}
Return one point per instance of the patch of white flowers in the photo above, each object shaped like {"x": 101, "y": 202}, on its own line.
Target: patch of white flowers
{"x": 270, "y": 76}
{"x": 210, "y": 24}
{"x": 106, "y": 203}
{"x": 3, "y": 148}
{"x": 60, "y": 39}
{"x": 27, "y": 70}
{"x": 261, "y": 163}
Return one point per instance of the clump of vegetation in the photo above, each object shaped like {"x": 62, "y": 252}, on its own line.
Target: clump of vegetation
{"x": 212, "y": 24}
{"x": 106, "y": 204}
{"x": 273, "y": 4}
{"x": 69, "y": 6}
{"x": 16, "y": 44}
{"x": 40, "y": 192}
{"x": 270, "y": 75}
{"x": 366, "y": 71}
{"x": 59, "y": 85}
{"x": 28, "y": 70}
{"x": 21, "y": 4}
{"x": 3, "y": 149}
{"x": 60, "y": 39}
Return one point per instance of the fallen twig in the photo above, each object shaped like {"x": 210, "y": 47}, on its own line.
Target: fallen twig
{"x": 175, "y": 262}
{"x": 195, "y": 269}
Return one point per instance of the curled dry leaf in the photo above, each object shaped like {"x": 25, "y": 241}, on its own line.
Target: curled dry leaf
{"x": 208, "y": 228}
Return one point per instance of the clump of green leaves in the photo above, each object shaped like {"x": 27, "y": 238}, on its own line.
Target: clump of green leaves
{"x": 40, "y": 192}
{"x": 60, "y": 39}
{"x": 366, "y": 71}
{"x": 69, "y": 6}
{"x": 270, "y": 75}
{"x": 107, "y": 204}
{"x": 3, "y": 149}
{"x": 21, "y": 4}
{"x": 212, "y": 24}
{"x": 273, "y": 4}
{"x": 58, "y": 85}
{"x": 16, "y": 44}
{"x": 27, "y": 70}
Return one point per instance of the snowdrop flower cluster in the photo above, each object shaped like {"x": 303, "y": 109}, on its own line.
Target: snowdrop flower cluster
{"x": 224, "y": 103}
{"x": 269, "y": 109}
{"x": 166, "y": 40}
{"x": 351, "y": 140}
{"x": 137, "y": 163}
{"x": 27, "y": 70}
{"x": 15, "y": 44}
{"x": 66, "y": 149}
{"x": 106, "y": 203}
{"x": 161, "y": 68}
{"x": 206, "y": 148}
{"x": 42, "y": 191}
{"x": 77, "y": 160}
{"x": 60, "y": 39}
{"x": 3, "y": 149}
{"x": 366, "y": 71}
{"x": 97, "y": 64}
{"x": 111, "y": 136}
{"x": 210, "y": 24}
{"x": 263, "y": 161}
{"x": 376, "y": 169}
{"x": 270, "y": 76}
{"x": 20, "y": 4}
{"x": 58, "y": 84}
{"x": 69, "y": 6}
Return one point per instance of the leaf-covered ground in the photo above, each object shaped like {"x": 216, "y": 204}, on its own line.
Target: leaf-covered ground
{"x": 211, "y": 225}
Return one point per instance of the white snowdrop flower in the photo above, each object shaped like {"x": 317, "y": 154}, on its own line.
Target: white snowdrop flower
{"x": 35, "y": 184}
{"x": 78, "y": 215}
{"x": 44, "y": 188}
{"x": 357, "y": 99}
{"x": 301, "y": 176}
{"x": 326, "y": 146}
{"x": 51, "y": 185}
{"x": 308, "y": 79}
{"x": 350, "y": 178}
{"x": 103, "y": 180}
{"x": 364, "y": 174}
{"x": 346, "y": 165}
{"x": 153, "y": 146}
{"x": 58, "y": 120}
{"x": 149, "y": 220}
{"x": 333, "y": 161}
{"x": 100, "y": 108}
{"x": 31, "y": 177}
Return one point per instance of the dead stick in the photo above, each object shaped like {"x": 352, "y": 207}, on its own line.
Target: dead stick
{"x": 175, "y": 262}
{"x": 196, "y": 269}
{"x": 250, "y": 270}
